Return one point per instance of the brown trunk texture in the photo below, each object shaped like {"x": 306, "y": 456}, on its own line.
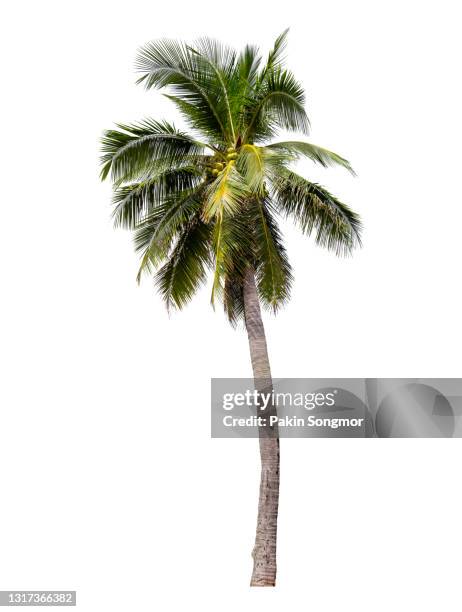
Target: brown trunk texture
{"x": 264, "y": 552}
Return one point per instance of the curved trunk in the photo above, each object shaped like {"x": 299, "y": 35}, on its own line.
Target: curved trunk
{"x": 264, "y": 552}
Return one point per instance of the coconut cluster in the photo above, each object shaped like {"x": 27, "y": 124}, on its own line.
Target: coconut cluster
{"x": 219, "y": 166}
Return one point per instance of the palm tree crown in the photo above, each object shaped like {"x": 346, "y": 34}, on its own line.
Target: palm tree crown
{"x": 210, "y": 200}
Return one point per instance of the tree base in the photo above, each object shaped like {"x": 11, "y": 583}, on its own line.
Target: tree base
{"x": 263, "y": 583}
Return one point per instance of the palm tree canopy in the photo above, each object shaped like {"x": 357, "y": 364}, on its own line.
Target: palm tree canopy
{"x": 210, "y": 200}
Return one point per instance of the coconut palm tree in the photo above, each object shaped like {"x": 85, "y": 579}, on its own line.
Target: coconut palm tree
{"x": 210, "y": 200}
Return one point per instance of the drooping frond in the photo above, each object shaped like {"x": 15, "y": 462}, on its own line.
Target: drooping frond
{"x": 273, "y": 272}
{"x": 232, "y": 246}
{"x": 137, "y": 150}
{"x": 257, "y": 242}
{"x": 134, "y": 202}
{"x": 233, "y": 297}
{"x": 186, "y": 268}
{"x": 221, "y": 253}
{"x": 155, "y": 235}
{"x": 297, "y": 149}
{"x": 315, "y": 210}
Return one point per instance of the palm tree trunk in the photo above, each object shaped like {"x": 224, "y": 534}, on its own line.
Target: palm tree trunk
{"x": 264, "y": 552}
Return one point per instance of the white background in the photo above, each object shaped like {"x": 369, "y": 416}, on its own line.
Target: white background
{"x": 93, "y": 497}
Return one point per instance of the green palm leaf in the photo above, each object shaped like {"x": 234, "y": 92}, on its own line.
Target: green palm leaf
{"x": 297, "y": 149}
{"x": 280, "y": 104}
{"x": 186, "y": 268}
{"x": 273, "y": 272}
{"x": 225, "y": 193}
{"x": 168, "y": 63}
{"x": 232, "y": 250}
{"x": 252, "y": 165}
{"x": 233, "y": 297}
{"x": 315, "y": 210}
{"x": 137, "y": 150}
{"x": 276, "y": 55}
{"x": 134, "y": 202}
{"x": 155, "y": 235}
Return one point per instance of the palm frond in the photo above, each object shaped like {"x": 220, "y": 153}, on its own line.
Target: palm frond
{"x": 139, "y": 149}
{"x": 315, "y": 210}
{"x": 196, "y": 119}
{"x": 279, "y": 105}
{"x": 186, "y": 269}
{"x": 172, "y": 64}
{"x": 322, "y": 156}
{"x": 233, "y": 297}
{"x": 273, "y": 272}
{"x": 252, "y": 167}
{"x": 155, "y": 235}
{"x": 220, "y": 254}
{"x": 232, "y": 250}
{"x": 221, "y": 60}
{"x": 276, "y": 55}
{"x": 247, "y": 64}
{"x": 244, "y": 83}
{"x": 134, "y": 202}
{"x": 225, "y": 193}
